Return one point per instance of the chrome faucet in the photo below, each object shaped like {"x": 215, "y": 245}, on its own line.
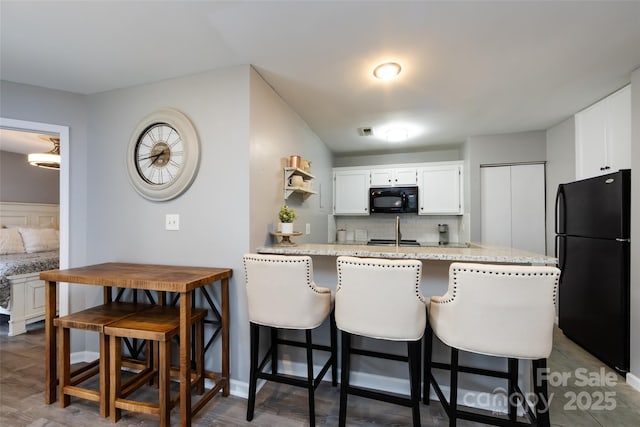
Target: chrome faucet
{"x": 398, "y": 233}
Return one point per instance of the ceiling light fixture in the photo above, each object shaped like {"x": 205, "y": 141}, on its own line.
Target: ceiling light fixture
{"x": 387, "y": 71}
{"x": 397, "y": 134}
{"x": 50, "y": 160}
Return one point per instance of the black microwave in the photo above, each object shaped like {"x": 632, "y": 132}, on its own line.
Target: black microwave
{"x": 393, "y": 200}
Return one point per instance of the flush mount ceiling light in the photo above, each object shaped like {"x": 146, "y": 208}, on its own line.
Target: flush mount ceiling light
{"x": 387, "y": 71}
{"x": 50, "y": 160}
{"x": 397, "y": 134}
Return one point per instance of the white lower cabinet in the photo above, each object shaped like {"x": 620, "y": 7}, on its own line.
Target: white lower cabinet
{"x": 440, "y": 189}
{"x": 351, "y": 192}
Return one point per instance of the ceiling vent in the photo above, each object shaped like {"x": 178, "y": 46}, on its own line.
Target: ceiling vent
{"x": 366, "y": 131}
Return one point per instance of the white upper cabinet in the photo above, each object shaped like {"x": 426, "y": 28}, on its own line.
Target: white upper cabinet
{"x": 603, "y": 136}
{"x": 351, "y": 192}
{"x": 440, "y": 189}
{"x": 394, "y": 177}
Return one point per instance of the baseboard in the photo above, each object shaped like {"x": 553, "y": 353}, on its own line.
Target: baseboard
{"x": 633, "y": 381}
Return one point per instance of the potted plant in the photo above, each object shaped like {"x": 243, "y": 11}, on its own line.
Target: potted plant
{"x": 286, "y": 215}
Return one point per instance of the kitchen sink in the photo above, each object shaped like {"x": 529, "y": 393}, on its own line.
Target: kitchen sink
{"x": 408, "y": 242}
{"x": 392, "y": 242}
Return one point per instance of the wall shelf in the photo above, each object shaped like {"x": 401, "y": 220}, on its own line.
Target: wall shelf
{"x": 289, "y": 190}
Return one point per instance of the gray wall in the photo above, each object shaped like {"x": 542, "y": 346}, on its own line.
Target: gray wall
{"x": 36, "y": 104}
{"x": 561, "y": 161}
{"x": 496, "y": 149}
{"x": 277, "y": 132}
{"x": 245, "y": 130}
{"x": 635, "y": 226}
{"x": 21, "y": 182}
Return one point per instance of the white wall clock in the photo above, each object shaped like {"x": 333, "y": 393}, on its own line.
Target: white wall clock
{"x": 163, "y": 155}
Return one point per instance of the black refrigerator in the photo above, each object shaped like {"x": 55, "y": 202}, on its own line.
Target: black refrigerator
{"x": 592, "y": 245}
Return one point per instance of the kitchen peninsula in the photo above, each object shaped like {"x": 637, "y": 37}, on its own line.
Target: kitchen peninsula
{"x": 435, "y": 274}
{"x": 473, "y": 253}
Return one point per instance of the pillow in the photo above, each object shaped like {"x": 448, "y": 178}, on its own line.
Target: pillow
{"x": 10, "y": 241}
{"x": 40, "y": 239}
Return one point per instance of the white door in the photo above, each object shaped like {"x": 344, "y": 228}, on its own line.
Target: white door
{"x": 513, "y": 206}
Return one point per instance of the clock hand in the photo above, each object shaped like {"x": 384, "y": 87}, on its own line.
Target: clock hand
{"x": 150, "y": 157}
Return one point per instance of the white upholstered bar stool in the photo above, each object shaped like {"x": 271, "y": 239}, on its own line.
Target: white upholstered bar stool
{"x": 381, "y": 299}
{"x": 281, "y": 294}
{"x": 496, "y": 310}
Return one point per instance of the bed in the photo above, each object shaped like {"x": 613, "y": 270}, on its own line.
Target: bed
{"x": 21, "y": 290}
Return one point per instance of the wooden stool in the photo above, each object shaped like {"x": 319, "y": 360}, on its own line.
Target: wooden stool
{"x": 92, "y": 319}
{"x": 158, "y": 324}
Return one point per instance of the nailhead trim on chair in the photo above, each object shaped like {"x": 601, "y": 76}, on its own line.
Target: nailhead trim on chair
{"x": 281, "y": 261}
{"x": 418, "y": 274}
{"x": 501, "y": 273}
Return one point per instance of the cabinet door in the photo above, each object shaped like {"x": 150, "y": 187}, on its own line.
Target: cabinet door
{"x": 381, "y": 177}
{"x": 350, "y": 192}
{"x": 603, "y": 136}
{"x": 619, "y": 130}
{"x": 591, "y": 136}
{"x": 405, "y": 176}
{"x": 440, "y": 190}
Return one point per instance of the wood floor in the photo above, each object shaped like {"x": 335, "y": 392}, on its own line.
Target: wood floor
{"x": 21, "y": 397}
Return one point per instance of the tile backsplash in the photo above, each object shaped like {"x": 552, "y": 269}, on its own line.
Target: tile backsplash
{"x": 412, "y": 226}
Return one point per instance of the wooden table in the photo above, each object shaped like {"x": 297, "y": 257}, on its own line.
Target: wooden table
{"x": 163, "y": 278}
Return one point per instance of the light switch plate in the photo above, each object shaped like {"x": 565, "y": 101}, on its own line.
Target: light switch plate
{"x": 308, "y": 228}
{"x": 172, "y": 222}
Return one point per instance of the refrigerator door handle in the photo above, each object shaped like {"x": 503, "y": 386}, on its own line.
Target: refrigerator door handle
{"x": 561, "y": 256}
{"x": 560, "y": 207}
{"x": 623, "y": 240}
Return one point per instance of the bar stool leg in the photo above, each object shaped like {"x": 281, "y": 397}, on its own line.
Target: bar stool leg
{"x": 116, "y": 380}
{"x": 426, "y": 380}
{"x": 253, "y": 370}
{"x": 453, "y": 395}
{"x": 512, "y": 396}
{"x": 64, "y": 365}
{"x": 164, "y": 390}
{"x": 414, "y": 350}
{"x": 104, "y": 375}
{"x": 310, "y": 387}
{"x": 334, "y": 349}
{"x": 540, "y": 389}
{"x": 344, "y": 382}
{"x": 274, "y": 350}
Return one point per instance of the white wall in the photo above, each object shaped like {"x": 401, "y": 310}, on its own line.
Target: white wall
{"x": 635, "y": 227}
{"x": 561, "y": 160}
{"x": 496, "y": 149}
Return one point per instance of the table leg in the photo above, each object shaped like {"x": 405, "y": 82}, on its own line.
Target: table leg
{"x": 225, "y": 337}
{"x": 185, "y": 359}
{"x": 51, "y": 367}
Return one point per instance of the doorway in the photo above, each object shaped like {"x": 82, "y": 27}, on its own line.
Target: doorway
{"x": 63, "y": 132}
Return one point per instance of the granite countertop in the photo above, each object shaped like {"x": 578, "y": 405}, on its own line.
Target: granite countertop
{"x": 474, "y": 253}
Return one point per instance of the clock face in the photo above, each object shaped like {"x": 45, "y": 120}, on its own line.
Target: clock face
{"x": 163, "y": 155}
{"x": 159, "y": 154}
